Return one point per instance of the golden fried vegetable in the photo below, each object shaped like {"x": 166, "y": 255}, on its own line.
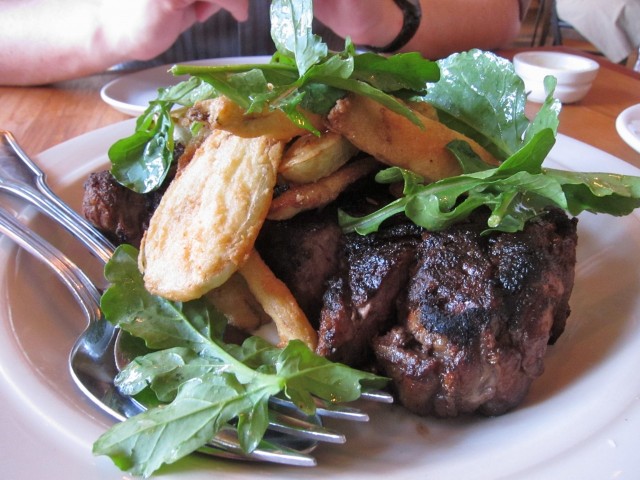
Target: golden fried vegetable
{"x": 310, "y": 158}
{"x": 318, "y": 194}
{"x": 234, "y": 299}
{"x": 207, "y": 221}
{"x": 278, "y": 301}
{"x": 224, "y": 114}
{"x": 395, "y": 140}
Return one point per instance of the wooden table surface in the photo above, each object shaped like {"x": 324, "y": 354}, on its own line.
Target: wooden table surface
{"x": 41, "y": 117}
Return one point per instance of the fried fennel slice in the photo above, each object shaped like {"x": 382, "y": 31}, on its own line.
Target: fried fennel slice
{"x": 224, "y": 114}
{"x": 309, "y": 196}
{"x": 396, "y": 141}
{"x": 206, "y": 224}
{"x": 311, "y": 157}
{"x": 236, "y": 302}
{"x": 278, "y": 302}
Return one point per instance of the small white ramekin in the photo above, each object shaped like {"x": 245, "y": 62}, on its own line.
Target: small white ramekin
{"x": 574, "y": 73}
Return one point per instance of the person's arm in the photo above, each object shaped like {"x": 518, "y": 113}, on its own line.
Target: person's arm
{"x": 43, "y": 41}
{"x": 446, "y": 26}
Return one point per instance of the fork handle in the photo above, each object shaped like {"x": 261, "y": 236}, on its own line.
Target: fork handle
{"x": 23, "y": 178}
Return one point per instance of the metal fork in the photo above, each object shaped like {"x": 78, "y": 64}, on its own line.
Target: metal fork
{"x": 293, "y": 436}
{"x": 21, "y": 177}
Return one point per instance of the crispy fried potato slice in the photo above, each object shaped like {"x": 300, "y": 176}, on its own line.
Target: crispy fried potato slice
{"x": 207, "y": 221}
{"x": 234, "y": 299}
{"x": 394, "y": 140}
{"x": 318, "y": 194}
{"x": 226, "y": 115}
{"x": 310, "y": 158}
{"x": 278, "y": 301}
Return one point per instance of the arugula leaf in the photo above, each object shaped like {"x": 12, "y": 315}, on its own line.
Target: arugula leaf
{"x": 141, "y": 161}
{"x": 309, "y": 374}
{"x": 548, "y": 115}
{"x": 594, "y": 192}
{"x": 480, "y": 95}
{"x": 515, "y": 192}
{"x": 291, "y": 23}
{"x": 201, "y": 382}
{"x": 403, "y": 71}
{"x": 164, "y": 371}
{"x": 203, "y": 406}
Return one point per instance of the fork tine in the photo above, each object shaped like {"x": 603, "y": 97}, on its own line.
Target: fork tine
{"x": 379, "y": 396}
{"x": 301, "y": 428}
{"x": 342, "y": 412}
{"x": 327, "y": 409}
{"x": 286, "y": 418}
{"x": 226, "y": 445}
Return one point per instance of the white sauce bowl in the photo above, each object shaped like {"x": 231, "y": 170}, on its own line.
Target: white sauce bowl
{"x": 575, "y": 74}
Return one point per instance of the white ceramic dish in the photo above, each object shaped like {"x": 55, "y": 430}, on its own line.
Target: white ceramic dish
{"x": 132, "y": 92}
{"x": 580, "y": 420}
{"x": 628, "y": 126}
{"x": 575, "y": 74}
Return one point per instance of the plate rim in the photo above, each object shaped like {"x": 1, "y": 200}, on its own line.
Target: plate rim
{"x": 159, "y": 74}
{"x": 622, "y": 126}
{"x": 50, "y": 159}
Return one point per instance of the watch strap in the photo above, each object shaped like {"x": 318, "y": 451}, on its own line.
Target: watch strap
{"x": 411, "y": 16}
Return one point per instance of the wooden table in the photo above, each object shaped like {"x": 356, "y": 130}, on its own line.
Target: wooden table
{"x": 41, "y": 117}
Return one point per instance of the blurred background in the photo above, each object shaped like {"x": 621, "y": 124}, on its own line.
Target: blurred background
{"x": 610, "y": 28}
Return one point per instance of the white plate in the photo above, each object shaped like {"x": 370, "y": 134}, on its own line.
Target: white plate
{"x": 580, "y": 420}
{"x": 628, "y": 126}
{"x": 132, "y": 92}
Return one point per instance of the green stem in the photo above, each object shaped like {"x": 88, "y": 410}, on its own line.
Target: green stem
{"x": 185, "y": 69}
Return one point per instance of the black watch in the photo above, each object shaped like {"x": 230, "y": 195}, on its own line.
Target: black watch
{"x": 411, "y": 16}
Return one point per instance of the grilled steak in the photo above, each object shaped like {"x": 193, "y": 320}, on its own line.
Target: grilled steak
{"x": 360, "y": 300}
{"x": 458, "y": 320}
{"x": 478, "y": 315}
{"x": 121, "y": 214}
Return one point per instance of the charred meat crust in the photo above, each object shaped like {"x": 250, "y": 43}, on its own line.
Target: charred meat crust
{"x": 460, "y": 321}
{"x": 117, "y": 211}
{"x": 480, "y": 312}
{"x": 360, "y": 300}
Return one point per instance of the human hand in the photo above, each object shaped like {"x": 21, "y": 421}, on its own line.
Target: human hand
{"x": 142, "y": 29}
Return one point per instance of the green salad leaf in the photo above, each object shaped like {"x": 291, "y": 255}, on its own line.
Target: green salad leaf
{"x": 480, "y": 95}
{"x": 202, "y": 383}
{"x": 141, "y": 161}
{"x": 515, "y": 192}
{"x": 291, "y": 33}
